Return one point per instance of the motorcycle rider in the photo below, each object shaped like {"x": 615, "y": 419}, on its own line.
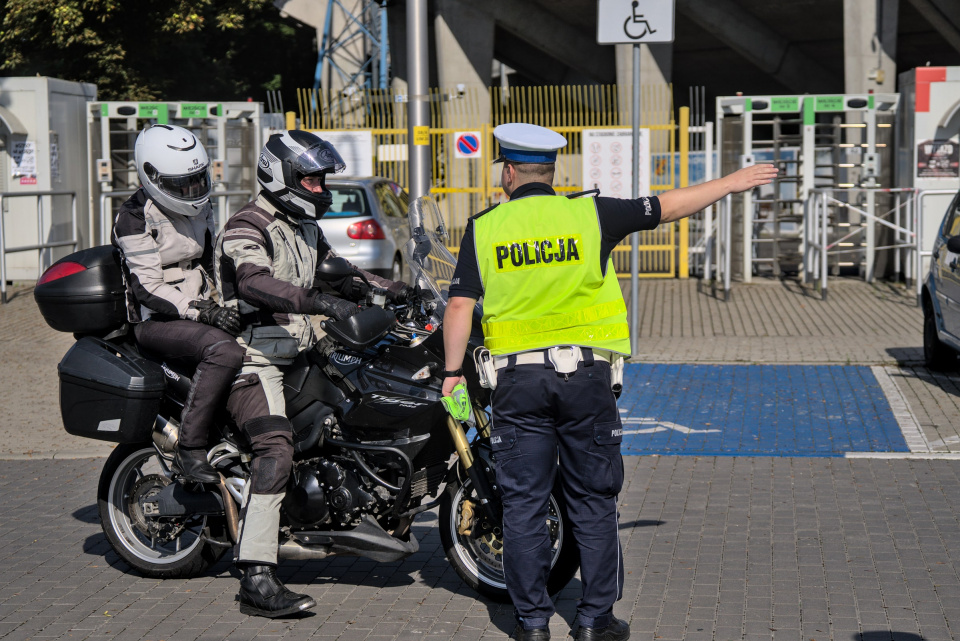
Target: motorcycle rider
{"x": 165, "y": 234}
{"x": 266, "y": 259}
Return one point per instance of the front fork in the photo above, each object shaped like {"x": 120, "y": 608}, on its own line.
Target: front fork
{"x": 491, "y": 507}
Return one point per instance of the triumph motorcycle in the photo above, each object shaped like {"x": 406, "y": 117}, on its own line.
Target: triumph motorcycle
{"x": 374, "y": 446}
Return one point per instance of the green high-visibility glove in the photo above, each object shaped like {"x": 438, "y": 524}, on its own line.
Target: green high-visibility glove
{"x": 458, "y": 403}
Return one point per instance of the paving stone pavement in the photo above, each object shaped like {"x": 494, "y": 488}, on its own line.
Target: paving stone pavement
{"x": 715, "y": 548}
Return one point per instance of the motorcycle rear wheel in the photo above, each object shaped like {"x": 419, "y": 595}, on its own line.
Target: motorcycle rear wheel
{"x": 157, "y": 548}
{"x": 479, "y": 561}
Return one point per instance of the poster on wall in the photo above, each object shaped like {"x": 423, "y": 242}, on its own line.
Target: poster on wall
{"x": 938, "y": 159}
{"x": 608, "y": 161}
{"x": 24, "y": 159}
{"x": 356, "y": 149}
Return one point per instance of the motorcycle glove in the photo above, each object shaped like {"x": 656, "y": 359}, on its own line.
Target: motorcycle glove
{"x": 333, "y": 307}
{"x": 223, "y": 318}
{"x": 399, "y": 292}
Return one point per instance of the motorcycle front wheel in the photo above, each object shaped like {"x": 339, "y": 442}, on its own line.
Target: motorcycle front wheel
{"x": 162, "y": 548}
{"x": 479, "y": 559}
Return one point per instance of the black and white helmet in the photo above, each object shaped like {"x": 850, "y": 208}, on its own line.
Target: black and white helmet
{"x": 286, "y": 159}
{"x": 174, "y": 169}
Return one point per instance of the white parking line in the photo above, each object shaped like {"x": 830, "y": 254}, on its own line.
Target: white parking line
{"x": 909, "y": 426}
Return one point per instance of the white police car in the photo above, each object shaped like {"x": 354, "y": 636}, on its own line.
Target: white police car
{"x": 941, "y": 295}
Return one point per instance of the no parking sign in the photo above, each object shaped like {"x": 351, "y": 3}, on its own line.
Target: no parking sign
{"x": 466, "y": 144}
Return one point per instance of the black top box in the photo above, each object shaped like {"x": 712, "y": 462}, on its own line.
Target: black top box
{"x": 84, "y": 292}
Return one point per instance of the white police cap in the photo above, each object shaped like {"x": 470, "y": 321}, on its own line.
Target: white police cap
{"x": 521, "y": 143}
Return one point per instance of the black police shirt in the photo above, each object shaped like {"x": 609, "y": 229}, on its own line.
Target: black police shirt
{"x": 619, "y": 217}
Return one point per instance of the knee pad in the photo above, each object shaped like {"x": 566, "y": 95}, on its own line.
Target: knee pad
{"x": 272, "y": 441}
{"x": 225, "y": 353}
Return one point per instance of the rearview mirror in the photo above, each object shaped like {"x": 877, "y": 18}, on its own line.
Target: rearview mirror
{"x": 953, "y": 244}
{"x": 334, "y": 268}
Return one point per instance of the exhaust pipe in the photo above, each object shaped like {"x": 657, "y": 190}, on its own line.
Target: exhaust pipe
{"x": 230, "y": 509}
{"x": 165, "y": 435}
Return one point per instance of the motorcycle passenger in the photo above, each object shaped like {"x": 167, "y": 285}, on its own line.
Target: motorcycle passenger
{"x": 266, "y": 259}
{"x": 165, "y": 234}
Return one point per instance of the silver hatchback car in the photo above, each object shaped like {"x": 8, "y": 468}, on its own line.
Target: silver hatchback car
{"x": 941, "y": 295}
{"x": 367, "y": 224}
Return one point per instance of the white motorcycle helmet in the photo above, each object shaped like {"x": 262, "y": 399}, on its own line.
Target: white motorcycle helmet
{"x": 174, "y": 169}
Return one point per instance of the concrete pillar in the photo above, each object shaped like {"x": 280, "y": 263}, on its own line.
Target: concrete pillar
{"x": 870, "y": 45}
{"x": 464, "y": 55}
{"x": 656, "y": 68}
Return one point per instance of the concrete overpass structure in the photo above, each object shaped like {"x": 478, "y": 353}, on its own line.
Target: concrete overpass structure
{"x": 753, "y": 46}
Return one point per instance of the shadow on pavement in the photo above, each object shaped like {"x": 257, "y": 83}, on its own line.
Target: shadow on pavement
{"x": 948, "y": 381}
{"x": 87, "y": 514}
{"x": 906, "y": 355}
{"x": 887, "y": 635}
{"x": 629, "y": 525}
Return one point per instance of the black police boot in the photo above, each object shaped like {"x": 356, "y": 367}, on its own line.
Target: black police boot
{"x": 616, "y": 630}
{"x": 262, "y": 594}
{"x": 539, "y": 634}
{"x": 191, "y": 464}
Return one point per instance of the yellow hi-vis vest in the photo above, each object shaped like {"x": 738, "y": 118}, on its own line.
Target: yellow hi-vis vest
{"x": 539, "y": 259}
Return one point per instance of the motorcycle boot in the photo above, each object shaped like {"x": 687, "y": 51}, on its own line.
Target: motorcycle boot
{"x": 192, "y": 466}
{"x": 536, "y": 634}
{"x": 262, "y": 594}
{"x": 616, "y": 630}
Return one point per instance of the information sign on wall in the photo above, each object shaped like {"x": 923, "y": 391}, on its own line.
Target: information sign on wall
{"x": 938, "y": 159}
{"x": 24, "y": 159}
{"x": 608, "y": 161}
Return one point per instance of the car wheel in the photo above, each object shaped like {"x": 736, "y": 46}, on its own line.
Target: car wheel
{"x": 396, "y": 271}
{"x": 936, "y": 355}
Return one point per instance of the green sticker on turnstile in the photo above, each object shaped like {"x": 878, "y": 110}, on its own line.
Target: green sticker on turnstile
{"x": 784, "y": 103}
{"x": 829, "y": 103}
{"x": 104, "y": 110}
{"x": 156, "y": 110}
{"x": 193, "y": 110}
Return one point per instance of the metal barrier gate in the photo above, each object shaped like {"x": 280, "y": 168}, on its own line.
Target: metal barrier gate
{"x": 40, "y": 244}
{"x": 232, "y": 132}
{"x": 465, "y": 186}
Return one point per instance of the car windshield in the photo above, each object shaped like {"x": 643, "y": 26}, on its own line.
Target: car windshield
{"x": 347, "y": 201}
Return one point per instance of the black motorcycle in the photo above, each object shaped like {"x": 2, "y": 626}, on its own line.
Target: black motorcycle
{"x": 374, "y": 446}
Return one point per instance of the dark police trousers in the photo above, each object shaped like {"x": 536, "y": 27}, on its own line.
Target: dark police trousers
{"x": 538, "y": 415}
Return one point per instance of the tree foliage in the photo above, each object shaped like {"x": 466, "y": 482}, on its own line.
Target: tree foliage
{"x": 159, "y": 49}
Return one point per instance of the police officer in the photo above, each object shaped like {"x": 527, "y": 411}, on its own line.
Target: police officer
{"x": 266, "y": 260}
{"x": 554, "y": 320}
{"x": 165, "y": 235}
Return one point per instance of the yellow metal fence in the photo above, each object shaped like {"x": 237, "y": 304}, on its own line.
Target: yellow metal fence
{"x": 465, "y": 186}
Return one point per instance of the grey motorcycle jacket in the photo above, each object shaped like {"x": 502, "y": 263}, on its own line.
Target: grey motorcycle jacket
{"x": 166, "y": 259}
{"x": 265, "y": 266}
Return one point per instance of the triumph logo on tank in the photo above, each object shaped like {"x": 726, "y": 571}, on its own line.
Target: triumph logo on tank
{"x": 170, "y": 373}
{"x": 345, "y": 359}
{"x": 397, "y": 402}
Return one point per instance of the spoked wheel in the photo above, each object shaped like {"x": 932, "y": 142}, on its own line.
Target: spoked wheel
{"x": 159, "y": 547}
{"x": 475, "y": 549}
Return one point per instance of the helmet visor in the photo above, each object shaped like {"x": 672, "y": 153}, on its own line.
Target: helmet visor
{"x": 190, "y": 187}
{"x": 320, "y": 158}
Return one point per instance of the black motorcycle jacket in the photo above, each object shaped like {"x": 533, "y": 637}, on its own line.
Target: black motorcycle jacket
{"x": 265, "y": 266}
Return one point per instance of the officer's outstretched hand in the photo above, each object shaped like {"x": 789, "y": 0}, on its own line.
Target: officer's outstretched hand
{"x": 750, "y": 177}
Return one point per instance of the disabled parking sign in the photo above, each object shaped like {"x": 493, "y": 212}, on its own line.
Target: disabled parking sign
{"x": 634, "y": 21}
{"x": 467, "y": 144}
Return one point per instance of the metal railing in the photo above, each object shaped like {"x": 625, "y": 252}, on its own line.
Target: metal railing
{"x": 218, "y": 197}
{"x": 907, "y": 229}
{"x": 924, "y": 253}
{"x": 716, "y": 248}
{"x": 40, "y": 245}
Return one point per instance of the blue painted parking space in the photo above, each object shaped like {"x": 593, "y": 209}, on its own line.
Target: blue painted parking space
{"x": 756, "y": 410}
